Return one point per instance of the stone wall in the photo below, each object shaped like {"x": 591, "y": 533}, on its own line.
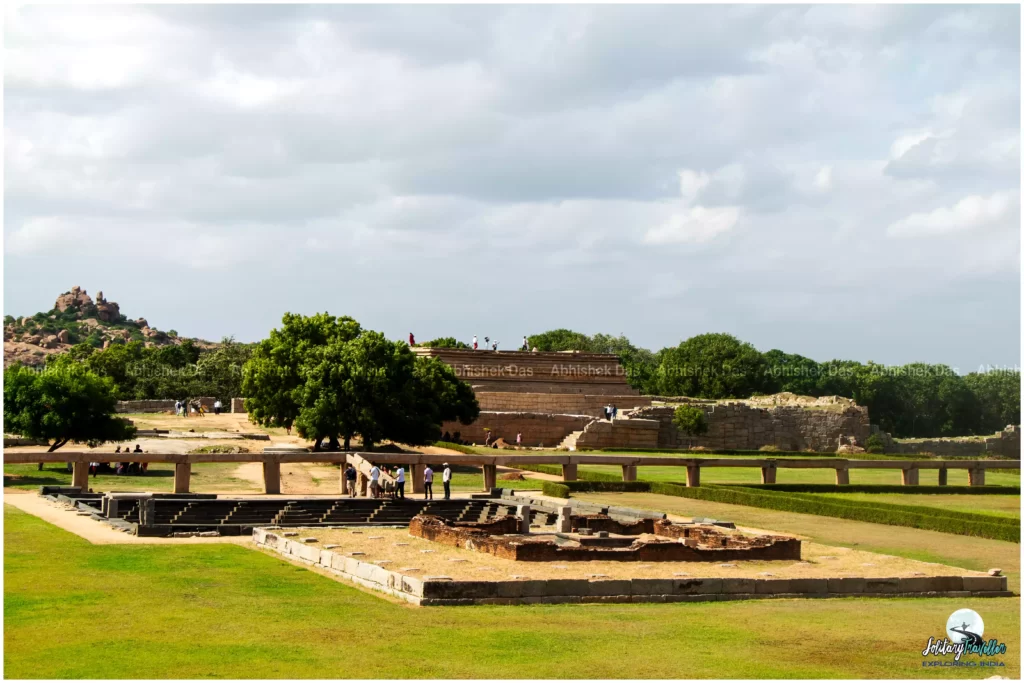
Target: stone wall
{"x": 565, "y": 404}
{"x": 163, "y": 405}
{"x": 620, "y": 433}
{"x": 536, "y": 373}
{"x": 538, "y": 429}
{"x": 238, "y": 405}
{"x": 1004, "y": 444}
{"x": 744, "y": 427}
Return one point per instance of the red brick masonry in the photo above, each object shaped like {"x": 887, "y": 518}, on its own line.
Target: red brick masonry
{"x": 702, "y": 543}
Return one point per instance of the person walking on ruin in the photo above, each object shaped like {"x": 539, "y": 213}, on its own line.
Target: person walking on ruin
{"x": 350, "y": 480}
{"x": 400, "y": 482}
{"x": 446, "y": 480}
{"x": 474, "y": 342}
{"x": 412, "y": 340}
{"x": 375, "y": 481}
{"x": 428, "y": 483}
{"x": 526, "y": 346}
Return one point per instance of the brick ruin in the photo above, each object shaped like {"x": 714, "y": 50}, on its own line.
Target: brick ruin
{"x": 665, "y": 542}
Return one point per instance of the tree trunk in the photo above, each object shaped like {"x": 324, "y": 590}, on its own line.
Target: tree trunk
{"x": 56, "y": 444}
{"x": 348, "y": 440}
{"x": 333, "y": 444}
{"x": 316, "y": 444}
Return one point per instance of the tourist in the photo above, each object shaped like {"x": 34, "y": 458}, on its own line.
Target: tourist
{"x": 184, "y": 408}
{"x": 615, "y": 411}
{"x": 117, "y": 450}
{"x": 119, "y": 469}
{"x": 350, "y": 480}
{"x": 138, "y": 449}
{"x": 519, "y": 439}
{"x": 177, "y": 408}
{"x": 428, "y": 483}
{"x": 487, "y": 342}
{"x": 412, "y": 340}
{"x": 217, "y": 405}
{"x": 400, "y": 482}
{"x": 526, "y": 346}
{"x": 474, "y": 342}
{"x": 487, "y": 439}
{"x": 94, "y": 467}
{"x": 375, "y": 481}
{"x": 145, "y": 467}
{"x": 446, "y": 480}
{"x": 494, "y": 346}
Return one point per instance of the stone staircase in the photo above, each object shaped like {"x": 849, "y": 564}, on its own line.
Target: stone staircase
{"x": 569, "y": 442}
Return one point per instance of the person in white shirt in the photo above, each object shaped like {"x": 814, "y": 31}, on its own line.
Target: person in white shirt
{"x": 474, "y": 342}
{"x": 375, "y": 481}
{"x": 428, "y": 483}
{"x": 400, "y": 482}
{"x": 446, "y": 479}
{"x": 526, "y": 347}
{"x": 217, "y": 405}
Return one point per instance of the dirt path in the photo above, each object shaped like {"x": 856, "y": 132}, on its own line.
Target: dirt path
{"x": 296, "y": 478}
{"x": 95, "y": 532}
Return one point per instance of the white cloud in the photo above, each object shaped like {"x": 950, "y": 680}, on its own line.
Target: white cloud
{"x": 969, "y": 214}
{"x": 696, "y": 225}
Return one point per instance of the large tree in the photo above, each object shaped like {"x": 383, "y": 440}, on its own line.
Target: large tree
{"x": 333, "y": 380}
{"x": 710, "y": 366}
{"x": 64, "y": 403}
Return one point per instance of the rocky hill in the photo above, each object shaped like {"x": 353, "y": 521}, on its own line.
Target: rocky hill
{"x": 78, "y": 319}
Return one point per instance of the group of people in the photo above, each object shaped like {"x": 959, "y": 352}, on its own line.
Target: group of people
{"x": 394, "y": 486}
{"x": 183, "y": 408}
{"x": 610, "y": 411}
{"x": 125, "y": 468}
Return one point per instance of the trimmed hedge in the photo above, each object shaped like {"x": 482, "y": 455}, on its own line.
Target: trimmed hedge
{"x": 684, "y": 453}
{"x": 453, "y": 447}
{"x": 883, "y": 488}
{"x": 918, "y": 517}
{"x": 580, "y": 474}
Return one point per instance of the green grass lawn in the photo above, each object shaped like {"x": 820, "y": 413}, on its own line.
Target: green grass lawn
{"x": 1001, "y": 506}
{"x": 206, "y": 476}
{"x": 75, "y": 610}
{"x": 752, "y": 475}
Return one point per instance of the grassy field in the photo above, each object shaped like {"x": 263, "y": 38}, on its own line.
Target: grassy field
{"x": 1002, "y": 506}
{"x": 74, "y": 610}
{"x": 752, "y": 475}
{"x": 969, "y": 552}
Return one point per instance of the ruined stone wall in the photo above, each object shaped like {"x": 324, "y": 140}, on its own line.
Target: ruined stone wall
{"x": 1004, "y": 444}
{"x": 745, "y": 427}
{"x": 565, "y": 404}
{"x": 161, "y": 405}
{"x": 238, "y": 405}
{"x": 538, "y": 429}
{"x": 620, "y": 433}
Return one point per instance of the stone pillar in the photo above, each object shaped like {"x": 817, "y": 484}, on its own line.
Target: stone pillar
{"x": 564, "y": 522}
{"x": 976, "y": 477}
{"x": 943, "y": 476}
{"x": 568, "y": 472}
{"x": 629, "y": 473}
{"x": 112, "y": 508}
{"x": 490, "y": 477}
{"x": 362, "y": 483}
{"x": 417, "y": 478}
{"x": 693, "y": 475}
{"x": 80, "y": 475}
{"x": 271, "y": 476}
{"x": 911, "y": 476}
{"x": 842, "y": 476}
{"x": 182, "y": 476}
{"x": 147, "y": 512}
{"x": 768, "y": 473}
{"x": 523, "y": 513}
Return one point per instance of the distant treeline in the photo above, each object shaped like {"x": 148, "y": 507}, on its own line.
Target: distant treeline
{"x": 909, "y": 401}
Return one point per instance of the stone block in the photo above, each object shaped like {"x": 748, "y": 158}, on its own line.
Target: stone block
{"x": 984, "y": 583}
{"x": 607, "y": 587}
{"x": 772, "y": 586}
{"x": 847, "y": 585}
{"x": 509, "y": 589}
{"x": 649, "y": 587}
{"x": 326, "y": 557}
{"x": 696, "y": 586}
{"x": 412, "y": 586}
{"x": 259, "y": 535}
{"x": 460, "y": 590}
{"x": 307, "y": 552}
{"x": 702, "y": 597}
{"x": 887, "y": 585}
{"x": 926, "y": 584}
{"x": 338, "y": 562}
{"x": 738, "y": 585}
{"x": 808, "y": 585}
{"x": 610, "y": 599}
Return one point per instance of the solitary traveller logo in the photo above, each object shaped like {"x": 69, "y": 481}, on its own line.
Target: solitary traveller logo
{"x": 964, "y": 631}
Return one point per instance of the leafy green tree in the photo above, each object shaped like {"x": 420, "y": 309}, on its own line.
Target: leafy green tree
{"x": 560, "y": 340}
{"x": 445, "y": 343}
{"x": 789, "y": 372}
{"x": 690, "y": 420}
{"x": 710, "y": 366}
{"x": 874, "y": 444}
{"x": 998, "y": 396}
{"x": 63, "y": 403}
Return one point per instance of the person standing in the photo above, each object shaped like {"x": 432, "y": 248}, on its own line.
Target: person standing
{"x": 474, "y": 343}
{"x": 217, "y": 405}
{"x": 428, "y": 483}
{"x": 400, "y": 482}
{"x": 177, "y": 408}
{"x": 519, "y": 439}
{"x": 526, "y": 347}
{"x": 350, "y": 480}
{"x": 446, "y": 479}
{"x": 375, "y": 481}
{"x": 412, "y": 340}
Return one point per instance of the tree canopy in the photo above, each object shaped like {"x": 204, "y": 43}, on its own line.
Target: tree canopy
{"x": 65, "y": 402}
{"x": 332, "y": 380}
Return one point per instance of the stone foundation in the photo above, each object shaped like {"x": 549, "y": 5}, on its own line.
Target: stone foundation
{"x": 538, "y": 429}
{"x": 557, "y": 404}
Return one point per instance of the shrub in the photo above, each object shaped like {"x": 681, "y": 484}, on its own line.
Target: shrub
{"x": 690, "y": 420}
{"x": 453, "y": 446}
{"x": 874, "y": 444}
{"x": 555, "y": 490}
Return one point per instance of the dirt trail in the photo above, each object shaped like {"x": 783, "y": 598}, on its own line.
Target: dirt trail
{"x": 296, "y": 478}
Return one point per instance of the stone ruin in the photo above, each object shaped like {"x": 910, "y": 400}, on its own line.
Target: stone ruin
{"x": 602, "y": 538}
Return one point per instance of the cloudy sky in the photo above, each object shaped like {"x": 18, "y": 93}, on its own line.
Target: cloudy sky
{"x": 832, "y": 181}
